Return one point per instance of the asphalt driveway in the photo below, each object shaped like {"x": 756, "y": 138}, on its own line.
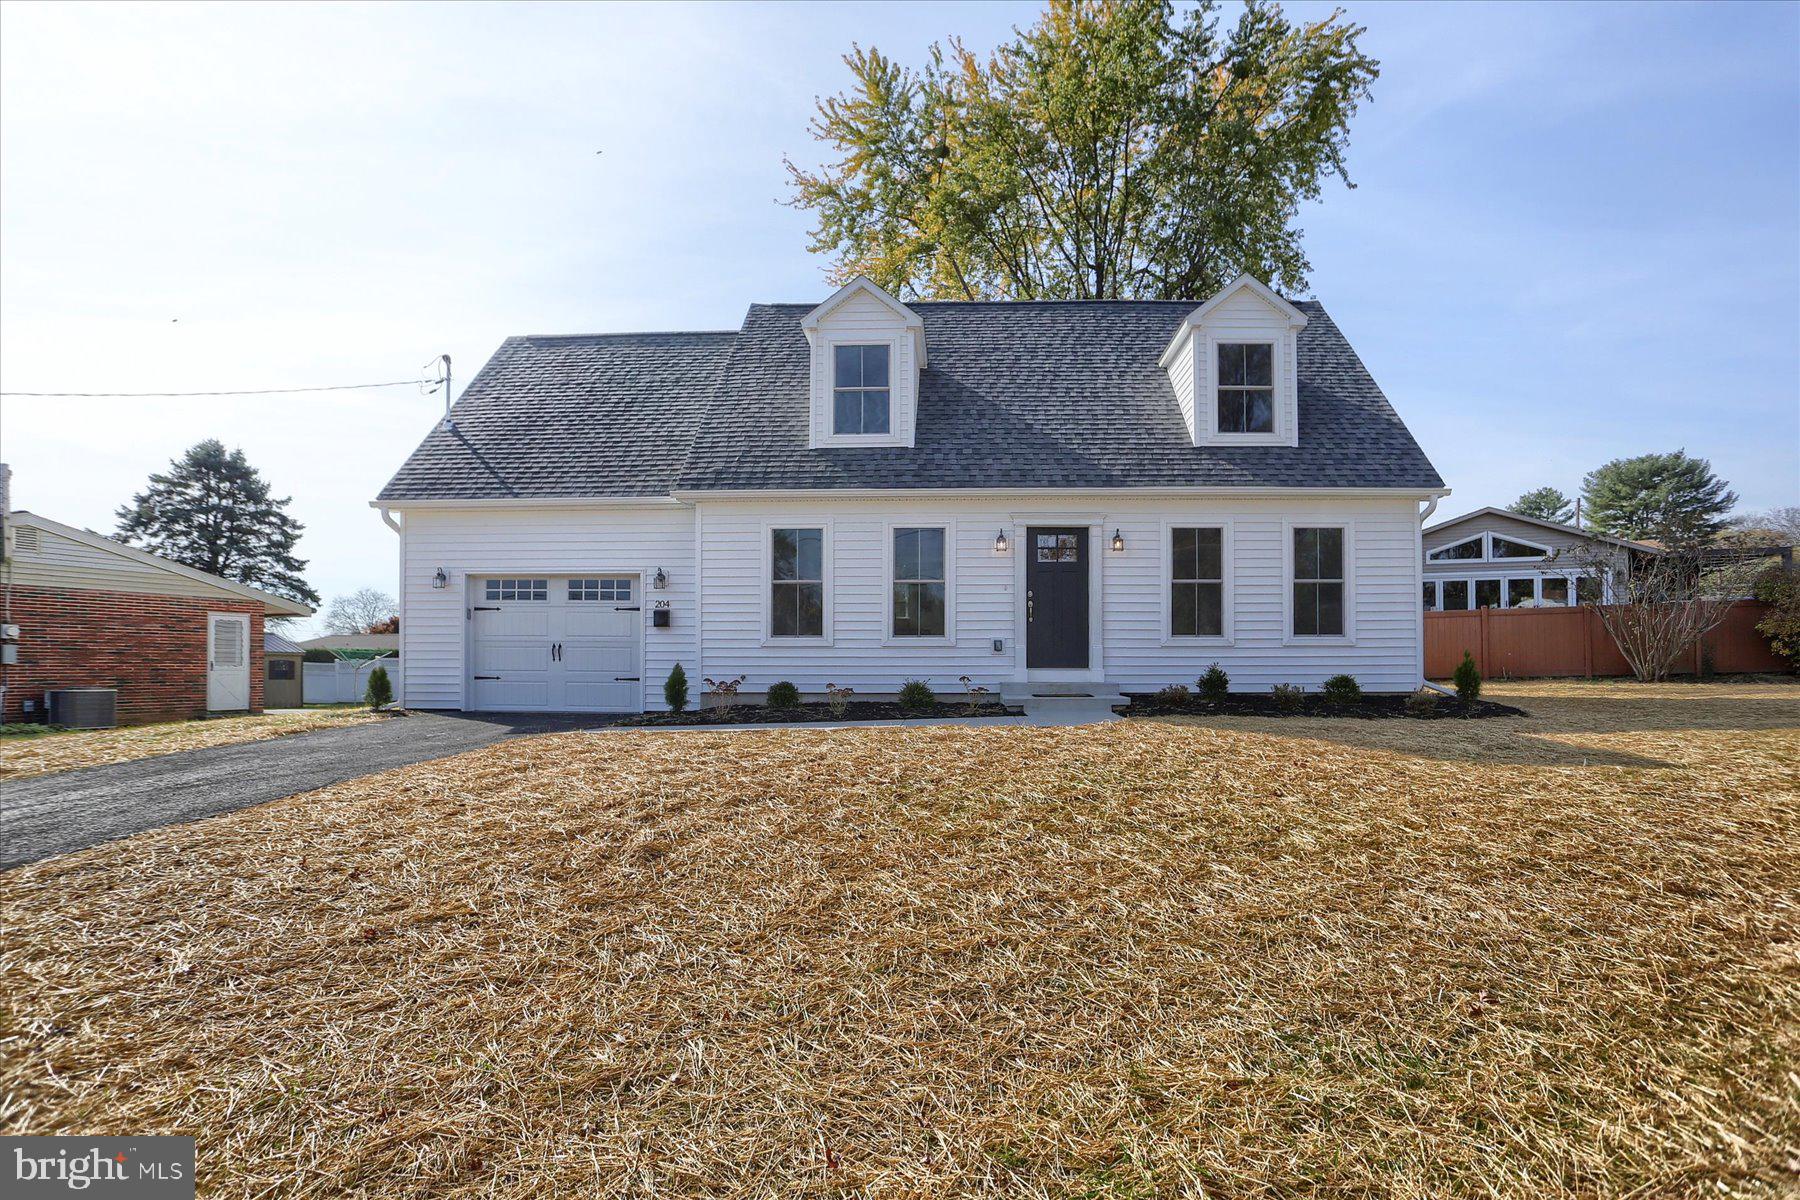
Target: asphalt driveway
{"x": 54, "y": 814}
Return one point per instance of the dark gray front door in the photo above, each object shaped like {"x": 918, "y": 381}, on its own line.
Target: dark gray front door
{"x": 1056, "y": 597}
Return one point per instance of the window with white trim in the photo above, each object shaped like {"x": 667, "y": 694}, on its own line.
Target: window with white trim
{"x": 859, "y": 389}
{"x": 919, "y": 589}
{"x": 1319, "y": 581}
{"x": 1555, "y": 591}
{"x": 1509, "y": 548}
{"x": 1197, "y": 582}
{"x": 1487, "y": 593}
{"x": 1431, "y": 595}
{"x": 1456, "y": 595}
{"x": 1466, "y": 549}
{"x": 797, "y": 583}
{"x": 618, "y": 590}
{"x": 1521, "y": 592}
{"x": 518, "y": 589}
{"x": 1246, "y": 387}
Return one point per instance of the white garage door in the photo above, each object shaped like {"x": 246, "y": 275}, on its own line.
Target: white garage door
{"x": 556, "y": 643}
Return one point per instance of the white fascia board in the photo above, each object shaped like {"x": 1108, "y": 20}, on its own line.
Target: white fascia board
{"x": 815, "y": 494}
{"x": 657, "y": 500}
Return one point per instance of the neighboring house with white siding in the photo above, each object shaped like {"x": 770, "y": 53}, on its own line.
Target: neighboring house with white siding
{"x": 1492, "y": 558}
{"x": 1097, "y": 495}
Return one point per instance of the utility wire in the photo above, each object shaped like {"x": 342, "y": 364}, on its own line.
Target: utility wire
{"x": 342, "y": 387}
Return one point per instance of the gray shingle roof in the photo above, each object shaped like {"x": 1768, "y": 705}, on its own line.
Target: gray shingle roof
{"x": 1017, "y": 395}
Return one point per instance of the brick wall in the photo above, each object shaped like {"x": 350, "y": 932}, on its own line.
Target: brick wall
{"x": 152, "y": 648}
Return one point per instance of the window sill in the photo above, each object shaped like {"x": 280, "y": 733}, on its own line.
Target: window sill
{"x": 852, "y": 441}
{"x": 901, "y": 641}
{"x": 1198, "y": 639}
{"x": 773, "y": 640}
{"x": 1318, "y": 639}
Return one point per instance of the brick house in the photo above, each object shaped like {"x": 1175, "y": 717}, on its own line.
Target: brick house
{"x": 91, "y": 612}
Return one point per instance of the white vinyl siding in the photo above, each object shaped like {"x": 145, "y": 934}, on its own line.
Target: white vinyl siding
{"x": 719, "y": 611}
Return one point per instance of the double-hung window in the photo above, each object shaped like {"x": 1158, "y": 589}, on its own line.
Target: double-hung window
{"x": 1246, "y": 388}
{"x": 1197, "y": 582}
{"x": 919, "y": 583}
{"x": 859, "y": 389}
{"x": 1319, "y": 581}
{"x": 797, "y": 583}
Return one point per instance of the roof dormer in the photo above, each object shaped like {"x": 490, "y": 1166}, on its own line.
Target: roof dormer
{"x": 1233, "y": 364}
{"x": 867, "y": 352}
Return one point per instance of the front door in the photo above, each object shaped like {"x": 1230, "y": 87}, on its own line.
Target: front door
{"x": 227, "y": 661}
{"x": 1056, "y": 598}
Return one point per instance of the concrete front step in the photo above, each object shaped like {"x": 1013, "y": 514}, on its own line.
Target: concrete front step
{"x": 1021, "y": 693}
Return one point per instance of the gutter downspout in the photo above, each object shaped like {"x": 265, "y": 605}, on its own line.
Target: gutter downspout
{"x": 387, "y": 518}
{"x": 1419, "y": 582}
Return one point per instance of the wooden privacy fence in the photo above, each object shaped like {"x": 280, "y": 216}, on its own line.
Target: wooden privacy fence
{"x": 1521, "y": 643}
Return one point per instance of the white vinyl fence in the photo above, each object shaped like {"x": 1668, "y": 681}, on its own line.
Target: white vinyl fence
{"x": 345, "y": 682}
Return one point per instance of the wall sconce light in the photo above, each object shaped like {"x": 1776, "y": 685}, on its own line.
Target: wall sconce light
{"x": 1000, "y": 542}
{"x": 440, "y": 581}
{"x": 1118, "y": 542}
{"x": 660, "y": 580}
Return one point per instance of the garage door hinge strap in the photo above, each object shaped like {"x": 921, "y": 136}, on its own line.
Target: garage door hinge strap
{"x": 623, "y": 608}
{"x": 487, "y": 677}
{"x": 627, "y": 679}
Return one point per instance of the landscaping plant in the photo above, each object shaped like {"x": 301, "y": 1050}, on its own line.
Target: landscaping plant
{"x": 838, "y": 699}
{"x": 916, "y": 696}
{"x": 675, "y": 689}
{"x": 1779, "y": 588}
{"x": 1215, "y": 684}
{"x": 722, "y": 693}
{"x": 783, "y": 695}
{"x": 1341, "y": 689}
{"x": 1422, "y": 703}
{"x": 381, "y": 690}
{"x": 973, "y": 691}
{"x": 1467, "y": 679}
{"x": 1175, "y": 695}
{"x": 1288, "y": 696}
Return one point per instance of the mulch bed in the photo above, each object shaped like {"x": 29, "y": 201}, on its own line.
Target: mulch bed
{"x": 856, "y": 710}
{"x": 1368, "y": 708}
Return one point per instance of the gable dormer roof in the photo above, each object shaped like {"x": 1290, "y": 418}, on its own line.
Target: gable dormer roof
{"x": 1294, "y": 317}
{"x": 861, "y": 286}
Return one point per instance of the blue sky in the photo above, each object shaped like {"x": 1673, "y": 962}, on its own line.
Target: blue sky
{"x": 1575, "y": 235}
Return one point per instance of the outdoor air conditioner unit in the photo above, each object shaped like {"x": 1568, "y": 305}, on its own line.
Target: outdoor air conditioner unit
{"x": 83, "y": 708}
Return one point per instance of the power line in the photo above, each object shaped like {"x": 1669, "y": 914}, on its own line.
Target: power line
{"x": 341, "y": 387}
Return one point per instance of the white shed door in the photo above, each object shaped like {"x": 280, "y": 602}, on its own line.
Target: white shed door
{"x": 227, "y": 661}
{"x": 556, "y": 643}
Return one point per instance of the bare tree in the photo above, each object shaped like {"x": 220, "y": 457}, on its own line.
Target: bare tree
{"x": 359, "y": 612}
{"x": 1662, "y": 607}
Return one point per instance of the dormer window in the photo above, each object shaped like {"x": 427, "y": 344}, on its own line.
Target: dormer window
{"x": 859, "y": 389}
{"x": 1246, "y": 387}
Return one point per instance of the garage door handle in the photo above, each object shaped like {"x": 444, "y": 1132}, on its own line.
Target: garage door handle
{"x": 487, "y": 608}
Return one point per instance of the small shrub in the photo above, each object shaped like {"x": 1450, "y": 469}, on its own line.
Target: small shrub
{"x": 1288, "y": 696}
{"x": 838, "y": 699}
{"x": 722, "y": 693}
{"x": 381, "y": 689}
{"x": 1779, "y": 587}
{"x": 1422, "y": 703}
{"x": 975, "y": 694}
{"x": 783, "y": 695}
{"x": 1176, "y": 694}
{"x": 675, "y": 689}
{"x": 1341, "y": 689}
{"x": 916, "y": 696}
{"x": 1467, "y": 679}
{"x": 1215, "y": 684}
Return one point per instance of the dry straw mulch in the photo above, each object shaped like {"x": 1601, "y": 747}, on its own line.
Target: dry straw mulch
{"x": 1232, "y": 958}
{"x": 48, "y": 753}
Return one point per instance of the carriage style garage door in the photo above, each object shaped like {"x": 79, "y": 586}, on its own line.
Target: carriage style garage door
{"x": 556, "y": 643}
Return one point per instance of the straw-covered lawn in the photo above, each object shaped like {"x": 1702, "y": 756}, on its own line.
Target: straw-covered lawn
{"x": 45, "y": 754}
{"x": 1555, "y": 956}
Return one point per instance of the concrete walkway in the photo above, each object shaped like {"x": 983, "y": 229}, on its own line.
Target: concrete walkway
{"x": 55, "y": 814}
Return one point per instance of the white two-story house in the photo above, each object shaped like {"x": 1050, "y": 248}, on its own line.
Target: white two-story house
{"x": 1099, "y": 494}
